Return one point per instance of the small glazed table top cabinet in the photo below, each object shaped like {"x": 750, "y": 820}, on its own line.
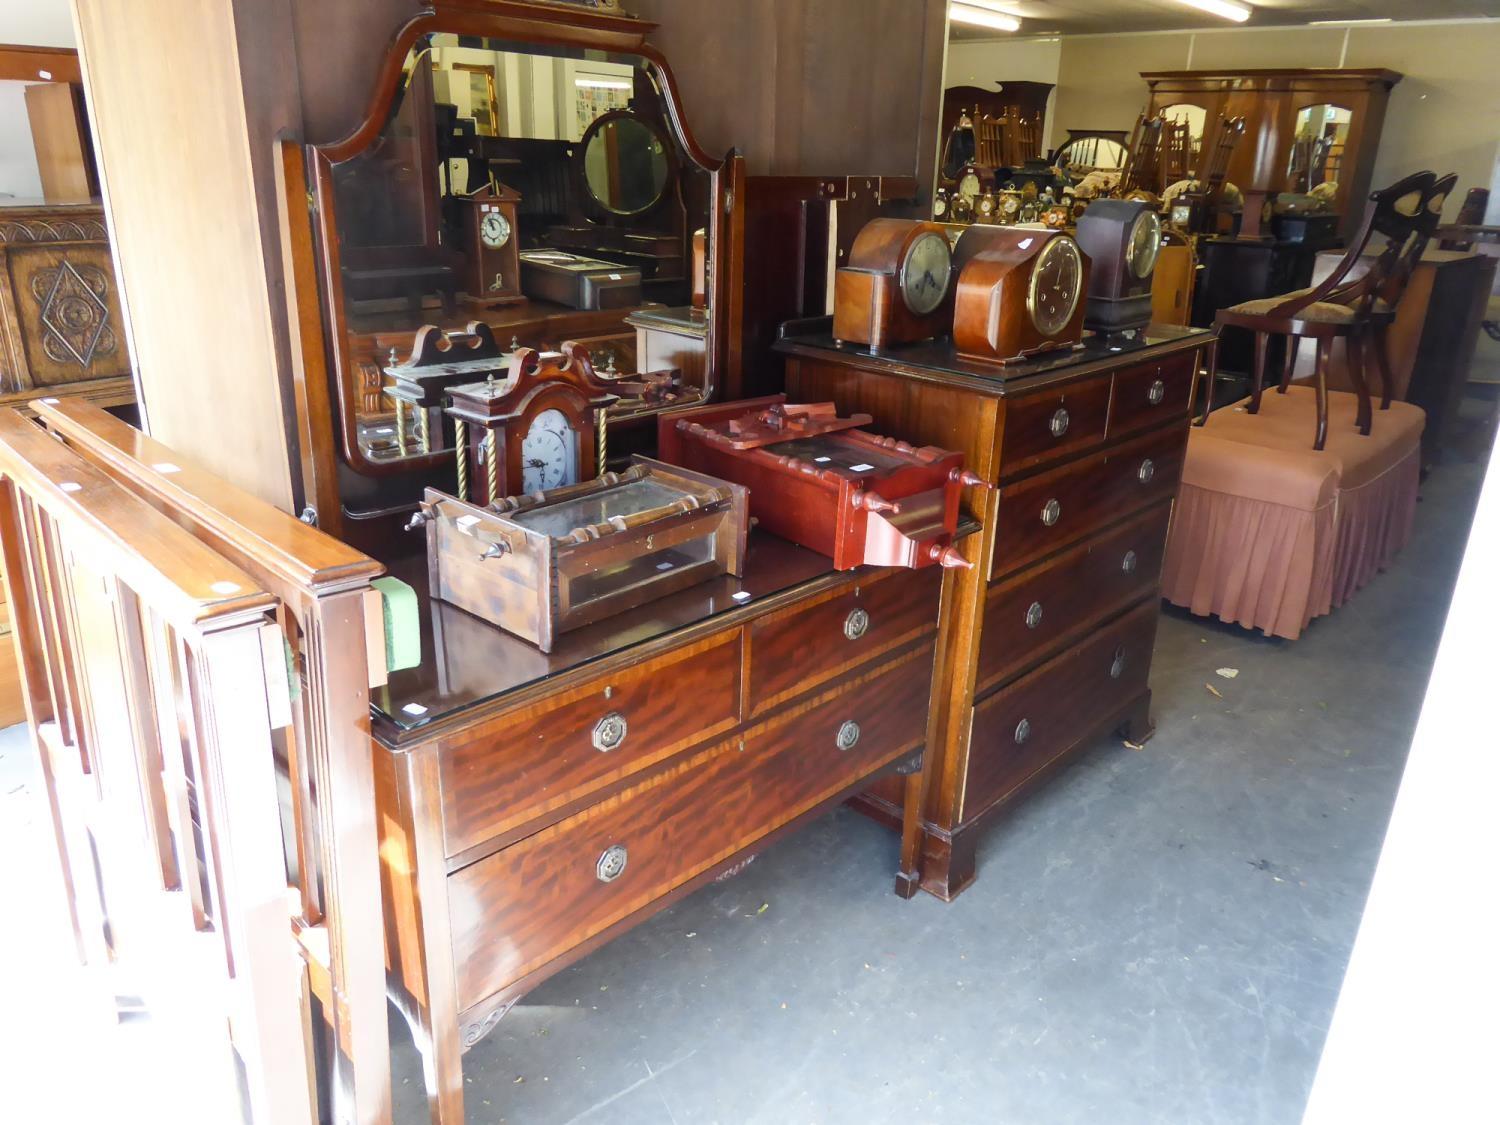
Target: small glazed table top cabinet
{"x": 1045, "y": 643}
{"x": 534, "y": 805}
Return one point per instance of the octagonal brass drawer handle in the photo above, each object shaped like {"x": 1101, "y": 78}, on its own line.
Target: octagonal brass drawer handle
{"x": 1117, "y": 668}
{"x": 1033, "y": 615}
{"x": 610, "y": 732}
{"x": 1157, "y": 392}
{"x": 1023, "y": 731}
{"x": 1059, "y": 423}
{"x": 1127, "y": 564}
{"x": 1146, "y": 471}
{"x": 611, "y": 864}
{"x": 1051, "y": 512}
{"x": 856, "y": 624}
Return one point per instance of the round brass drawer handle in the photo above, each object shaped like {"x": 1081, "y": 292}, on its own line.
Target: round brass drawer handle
{"x": 611, "y": 863}
{"x": 848, "y": 735}
{"x": 1059, "y": 423}
{"x": 1051, "y": 511}
{"x": 610, "y": 731}
{"x": 1157, "y": 392}
{"x": 1117, "y": 668}
{"x": 1023, "y": 731}
{"x": 1146, "y": 471}
{"x": 1033, "y": 615}
{"x": 1127, "y": 564}
{"x": 856, "y": 624}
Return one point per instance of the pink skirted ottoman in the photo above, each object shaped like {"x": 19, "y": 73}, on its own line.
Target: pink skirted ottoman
{"x": 1269, "y": 533}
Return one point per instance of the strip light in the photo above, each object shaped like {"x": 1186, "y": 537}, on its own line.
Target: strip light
{"x": 1224, "y": 9}
{"x": 1346, "y": 23}
{"x": 602, "y": 84}
{"x": 983, "y": 17}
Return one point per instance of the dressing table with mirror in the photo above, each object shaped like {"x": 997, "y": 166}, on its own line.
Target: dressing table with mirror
{"x": 524, "y": 206}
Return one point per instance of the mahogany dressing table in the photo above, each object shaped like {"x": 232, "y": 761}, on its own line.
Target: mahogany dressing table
{"x": 1045, "y": 642}
{"x": 532, "y": 806}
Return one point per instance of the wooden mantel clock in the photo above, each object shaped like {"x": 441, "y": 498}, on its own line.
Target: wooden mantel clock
{"x": 492, "y": 240}
{"x": 533, "y": 430}
{"x": 897, "y": 286}
{"x": 1022, "y": 294}
{"x": 1122, "y": 238}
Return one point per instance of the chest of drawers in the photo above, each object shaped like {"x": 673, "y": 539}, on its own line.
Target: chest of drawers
{"x": 1045, "y": 643}
{"x": 532, "y": 806}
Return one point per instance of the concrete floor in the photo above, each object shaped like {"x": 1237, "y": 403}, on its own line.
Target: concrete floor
{"x": 1155, "y": 936}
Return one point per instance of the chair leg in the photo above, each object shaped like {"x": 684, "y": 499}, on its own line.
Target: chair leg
{"x": 1378, "y": 343}
{"x": 1354, "y": 347}
{"x": 1320, "y": 375}
{"x": 1208, "y": 381}
{"x": 1292, "y": 343}
{"x": 1260, "y": 373}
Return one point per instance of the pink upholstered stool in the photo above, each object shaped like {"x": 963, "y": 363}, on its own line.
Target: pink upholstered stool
{"x": 1269, "y": 533}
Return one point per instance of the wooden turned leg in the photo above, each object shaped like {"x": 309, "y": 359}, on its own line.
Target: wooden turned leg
{"x": 1354, "y": 349}
{"x": 1290, "y": 367}
{"x": 1320, "y": 375}
{"x": 1259, "y": 374}
{"x": 1379, "y": 344}
{"x": 948, "y": 866}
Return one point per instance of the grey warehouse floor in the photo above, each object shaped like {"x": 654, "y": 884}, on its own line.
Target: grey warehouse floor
{"x": 1154, "y": 936}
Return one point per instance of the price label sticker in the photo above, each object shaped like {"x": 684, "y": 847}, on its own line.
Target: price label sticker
{"x": 615, "y": 276}
{"x": 664, "y": 566}
{"x": 166, "y": 467}
{"x": 820, "y": 460}
{"x": 860, "y": 468}
{"x": 414, "y": 709}
{"x": 742, "y": 596}
{"x": 466, "y": 524}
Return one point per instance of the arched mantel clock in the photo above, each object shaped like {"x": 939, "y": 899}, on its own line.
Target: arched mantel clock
{"x": 540, "y": 427}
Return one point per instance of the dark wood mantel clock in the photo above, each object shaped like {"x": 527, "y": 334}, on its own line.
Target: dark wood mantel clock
{"x": 540, "y": 427}
{"x": 897, "y": 287}
{"x": 492, "y": 240}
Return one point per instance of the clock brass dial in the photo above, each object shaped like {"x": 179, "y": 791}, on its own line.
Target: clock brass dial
{"x": 1145, "y": 243}
{"x": 925, "y": 273}
{"x": 494, "y": 230}
{"x": 1055, "y": 286}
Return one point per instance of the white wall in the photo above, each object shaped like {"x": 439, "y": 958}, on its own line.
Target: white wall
{"x": 19, "y": 176}
{"x": 37, "y": 23}
{"x": 984, "y": 62}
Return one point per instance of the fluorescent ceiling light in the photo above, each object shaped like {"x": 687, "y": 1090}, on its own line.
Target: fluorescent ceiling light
{"x": 982, "y": 17}
{"x": 1345, "y": 23}
{"x": 1002, "y": 6}
{"x": 1224, "y": 9}
{"x": 602, "y": 84}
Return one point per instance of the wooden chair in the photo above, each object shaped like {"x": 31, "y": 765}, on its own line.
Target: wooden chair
{"x": 989, "y": 141}
{"x": 1342, "y": 306}
{"x": 1142, "y": 171}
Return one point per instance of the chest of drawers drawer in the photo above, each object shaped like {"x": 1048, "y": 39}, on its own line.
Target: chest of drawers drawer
{"x": 1042, "y": 514}
{"x": 532, "y": 760}
{"x": 1056, "y": 423}
{"x": 1030, "y": 612}
{"x": 795, "y": 649}
{"x": 1150, "y": 394}
{"x": 1021, "y": 728}
{"x": 514, "y": 910}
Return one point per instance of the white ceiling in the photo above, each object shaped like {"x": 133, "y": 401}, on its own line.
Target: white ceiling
{"x": 1080, "y": 17}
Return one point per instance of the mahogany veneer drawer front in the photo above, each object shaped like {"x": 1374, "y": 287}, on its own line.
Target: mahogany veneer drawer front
{"x": 1030, "y": 612}
{"x": 1053, "y": 423}
{"x": 1040, "y": 514}
{"x": 514, "y": 911}
{"x": 530, "y": 760}
{"x": 1021, "y": 728}
{"x": 1151, "y": 394}
{"x": 806, "y": 645}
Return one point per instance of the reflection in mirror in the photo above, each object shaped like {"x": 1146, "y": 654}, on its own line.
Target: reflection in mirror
{"x": 624, "y": 164}
{"x": 1082, "y": 155}
{"x": 541, "y": 190}
{"x": 1318, "y": 147}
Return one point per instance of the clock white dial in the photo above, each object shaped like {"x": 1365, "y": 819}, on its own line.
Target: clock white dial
{"x": 925, "y": 272}
{"x": 549, "y": 453}
{"x": 968, "y": 186}
{"x": 494, "y": 230}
